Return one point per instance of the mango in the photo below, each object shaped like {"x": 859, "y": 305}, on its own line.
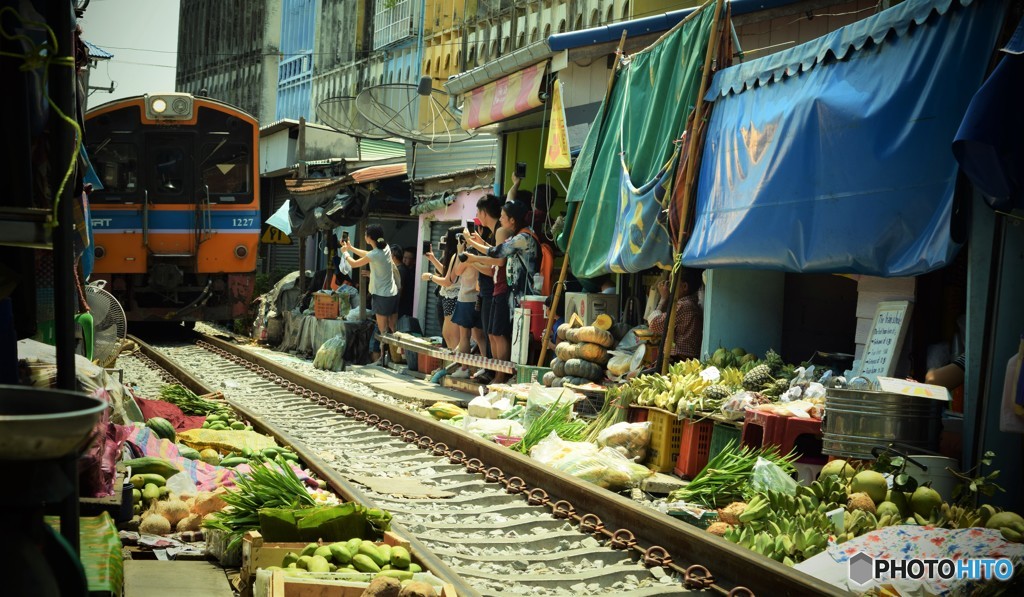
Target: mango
{"x": 318, "y": 564}
{"x": 364, "y": 563}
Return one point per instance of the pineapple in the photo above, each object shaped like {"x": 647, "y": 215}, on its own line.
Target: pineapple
{"x": 756, "y": 378}
{"x": 774, "y": 361}
{"x": 781, "y": 386}
{"x": 716, "y": 392}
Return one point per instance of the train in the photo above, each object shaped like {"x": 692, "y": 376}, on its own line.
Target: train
{"x": 176, "y": 224}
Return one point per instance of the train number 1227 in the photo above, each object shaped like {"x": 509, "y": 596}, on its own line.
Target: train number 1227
{"x": 242, "y": 222}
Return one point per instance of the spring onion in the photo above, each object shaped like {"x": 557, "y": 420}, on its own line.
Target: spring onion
{"x": 725, "y": 478}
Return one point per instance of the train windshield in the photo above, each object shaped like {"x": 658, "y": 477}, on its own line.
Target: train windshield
{"x": 116, "y": 165}
{"x": 225, "y": 167}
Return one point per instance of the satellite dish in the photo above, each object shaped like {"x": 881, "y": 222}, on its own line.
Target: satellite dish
{"x": 415, "y": 112}
{"x": 340, "y": 114}
{"x": 110, "y": 324}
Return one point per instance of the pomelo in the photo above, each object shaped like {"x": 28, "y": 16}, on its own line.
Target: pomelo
{"x": 924, "y": 500}
{"x": 839, "y": 468}
{"x": 871, "y": 483}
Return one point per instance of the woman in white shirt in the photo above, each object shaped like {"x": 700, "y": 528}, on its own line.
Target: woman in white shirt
{"x": 383, "y": 289}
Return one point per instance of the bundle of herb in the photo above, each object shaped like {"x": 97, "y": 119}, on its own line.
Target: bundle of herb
{"x": 615, "y": 409}
{"x": 271, "y": 485}
{"x": 189, "y": 402}
{"x": 726, "y": 477}
{"x": 556, "y": 418}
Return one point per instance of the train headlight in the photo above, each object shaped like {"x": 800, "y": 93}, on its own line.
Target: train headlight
{"x": 169, "y": 106}
{"x": 99, "y": 252}
{"x": 241, "y": 251}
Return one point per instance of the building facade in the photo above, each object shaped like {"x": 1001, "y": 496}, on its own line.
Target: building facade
{"x": 230, "y": 50}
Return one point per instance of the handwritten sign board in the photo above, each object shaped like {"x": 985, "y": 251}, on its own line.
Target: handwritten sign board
{"x": 912, "y": 388}
{"x": 885, "y": 340}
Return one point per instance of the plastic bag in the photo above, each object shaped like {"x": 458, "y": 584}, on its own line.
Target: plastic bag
{"x": 331, "y": 354}
{"x": 629, "y": 439}
{"x": 490, "y": 428}
{"x": 182, "y": 485}
{"x": 540, "y": 399}
{"x": 735, "y": 407}
{"x": 606, "y": 468}
{"x": 768, "y": 475}
{"x": 552, "y": 449}
{"x": 343, "y": 266}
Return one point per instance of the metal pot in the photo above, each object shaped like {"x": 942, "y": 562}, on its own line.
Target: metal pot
{"x": 856, "y": 421}
{"x": 927, "y": 467}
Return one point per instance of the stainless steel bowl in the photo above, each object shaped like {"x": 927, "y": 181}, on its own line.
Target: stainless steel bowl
{"x": 41, "y": 424}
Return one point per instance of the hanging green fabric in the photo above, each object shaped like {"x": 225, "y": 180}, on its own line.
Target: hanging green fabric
{"x": 641, "y": 119}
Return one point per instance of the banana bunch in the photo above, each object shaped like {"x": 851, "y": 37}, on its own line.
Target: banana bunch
{"x": 958, "y": 517}
{"x": 858, "y": 522}
{"x": 937, "y": 518}
{"x": 648, "y": 388}
{"x": 829, "y": 491}
{"x": 731, "y": 377}
{"x": 770, "y": 527}
{"x": 684, "y": 368}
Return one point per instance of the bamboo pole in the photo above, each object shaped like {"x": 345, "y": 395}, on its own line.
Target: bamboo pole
{"x": 691, "y": 171}
{"x": 572, "y": 226}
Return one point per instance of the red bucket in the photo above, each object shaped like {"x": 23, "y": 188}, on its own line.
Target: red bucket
{"x": 538, "y": 321}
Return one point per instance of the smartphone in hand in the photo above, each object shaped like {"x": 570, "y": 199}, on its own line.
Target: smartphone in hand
{"x": 520, "y": 169}
{"x": 426, "y": 247}
{"x": 471, "y": 227}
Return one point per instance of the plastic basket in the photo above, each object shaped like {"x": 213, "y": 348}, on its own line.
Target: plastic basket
{"x": 528, "y": 374}
{"x": 637, "y": 414}
{"x": 694, "y": 445}
{"x": 702, "y": 520}
{"x": 325, "y": 306}
{"x": 666, "y": 435}
{"x": 721, "y": 436}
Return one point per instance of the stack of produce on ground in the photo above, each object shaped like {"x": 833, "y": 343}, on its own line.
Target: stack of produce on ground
{"x": 581, "y": 354}
{"x": 791, "y": 523}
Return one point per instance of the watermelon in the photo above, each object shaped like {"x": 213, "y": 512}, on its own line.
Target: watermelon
{"x": 162, "y": 428}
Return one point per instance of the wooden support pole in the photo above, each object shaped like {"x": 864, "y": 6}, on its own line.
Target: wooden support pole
{"x": 572, "y": 226}
{"x": 690, "y": 174}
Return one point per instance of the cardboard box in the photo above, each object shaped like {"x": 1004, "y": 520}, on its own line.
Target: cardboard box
{"x": 258, "y": 554}
{"x": 589, "y": 305}
{"x": 284, "y": 586}
{"x": 325, "y": 306}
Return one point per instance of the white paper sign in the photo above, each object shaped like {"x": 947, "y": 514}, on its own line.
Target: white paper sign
{"x": 912, "y": 388}
{"x": 885, "y": 340}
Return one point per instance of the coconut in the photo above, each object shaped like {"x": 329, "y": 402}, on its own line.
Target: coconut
{"x": 154, "y": 524}
{"x": 173, "y": 510}
{"x": 719, "y": 528}
{"x": 192, "y": 522}
{"x": 871, "y": 483}
{"x": 924, "y": 500}
{"x": 731, "y": 513}
{"x": 860, "y": 501}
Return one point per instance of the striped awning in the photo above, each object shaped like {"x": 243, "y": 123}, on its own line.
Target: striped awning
{"x": 504, "y": 98}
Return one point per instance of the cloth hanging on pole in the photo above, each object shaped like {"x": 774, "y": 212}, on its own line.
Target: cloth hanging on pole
{"x": 646, "y": 111}
{"x": 641, "y": 237}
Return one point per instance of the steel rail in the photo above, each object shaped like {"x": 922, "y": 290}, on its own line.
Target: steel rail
{"x": 660, "y": 539}
{"x": 316, "y": 464}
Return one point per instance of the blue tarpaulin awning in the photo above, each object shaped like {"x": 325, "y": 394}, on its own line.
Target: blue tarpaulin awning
{"x": 990, "y": 142}
{"x": 833, "y": 156}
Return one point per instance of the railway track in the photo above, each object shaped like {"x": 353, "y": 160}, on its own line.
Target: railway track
{"x": 508, "y": 525}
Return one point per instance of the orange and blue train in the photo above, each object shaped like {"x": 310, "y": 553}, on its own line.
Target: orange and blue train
{"x": 176, "y": 225}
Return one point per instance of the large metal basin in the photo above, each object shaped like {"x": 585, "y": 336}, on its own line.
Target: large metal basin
{"x": 856, "y": 421}
{"x": 41, "y": 424}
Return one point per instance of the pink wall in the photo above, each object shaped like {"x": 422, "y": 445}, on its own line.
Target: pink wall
{"x": 461, "y": 210}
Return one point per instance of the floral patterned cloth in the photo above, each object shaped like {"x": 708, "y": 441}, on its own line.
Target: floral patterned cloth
{"x": 904, "y": 542}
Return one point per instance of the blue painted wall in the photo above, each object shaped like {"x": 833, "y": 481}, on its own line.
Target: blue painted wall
{"x": 295, "y": 73}
{"x": 743, "y": 309}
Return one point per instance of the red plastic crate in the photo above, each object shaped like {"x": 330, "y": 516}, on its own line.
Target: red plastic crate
{"x": 694, "y": 447}
{"x": 637, "y": 414}
{"x": 761, "y": 429}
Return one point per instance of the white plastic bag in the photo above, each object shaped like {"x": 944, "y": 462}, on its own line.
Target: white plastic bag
{"x": 768, "y": 475}
{"x": 735, "y": 407}
{"x": 552, "y": 449}
{"x": 182, "y": 485}
{"x": 606, "y": 468}
{"x": 540, "y": 399}
{"x": 629, "y": 439}
{"x": 490, "y": 428}
{"x": 344, "y": 267}
{"x": 331, "y": 354}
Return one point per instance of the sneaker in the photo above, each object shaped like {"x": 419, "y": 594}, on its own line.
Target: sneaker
{"x": 480, "y": 373}
{"x": 462, "y": 373}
